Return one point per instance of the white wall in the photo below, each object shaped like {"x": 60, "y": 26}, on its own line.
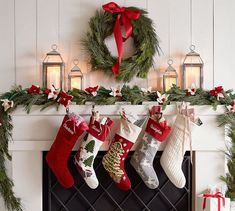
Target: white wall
{"x": 28, "y": 28}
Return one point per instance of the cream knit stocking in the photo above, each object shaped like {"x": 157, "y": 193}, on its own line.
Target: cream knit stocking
{"x": 179, "y": 139}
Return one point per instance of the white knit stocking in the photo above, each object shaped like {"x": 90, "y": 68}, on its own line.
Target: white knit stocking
{"x": 172, "y": 157}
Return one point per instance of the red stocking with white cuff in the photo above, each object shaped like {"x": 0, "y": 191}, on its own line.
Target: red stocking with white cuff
{"x": 71, "y": 128}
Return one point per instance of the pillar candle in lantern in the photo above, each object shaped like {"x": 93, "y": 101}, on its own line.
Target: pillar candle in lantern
{"x": 192, "y": 76}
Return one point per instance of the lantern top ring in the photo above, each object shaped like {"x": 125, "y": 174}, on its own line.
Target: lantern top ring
{"x": 192, "y": 47}
{"x": 75, "y": 62}
{"x": 170, "y": 62}
{"x": 54, "y": 47}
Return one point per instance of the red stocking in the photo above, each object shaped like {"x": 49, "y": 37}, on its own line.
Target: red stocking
{"x": 71, "y": 128}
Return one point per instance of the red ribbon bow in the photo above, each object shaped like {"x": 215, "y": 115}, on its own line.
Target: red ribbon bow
{"x": 124, "y": 18}
{"x": 218, "y": 195}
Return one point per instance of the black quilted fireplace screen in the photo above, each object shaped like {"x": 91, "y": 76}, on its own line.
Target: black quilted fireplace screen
{"x": 107, "y": 197}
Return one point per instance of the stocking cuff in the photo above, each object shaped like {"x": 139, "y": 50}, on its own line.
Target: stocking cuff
{"x": 128, "y": 130}
{"x": 73, "y": 124}
{"x": 158, "y": 130}
{"x": 101, "y": 131}
{"x": 181, "y": 121}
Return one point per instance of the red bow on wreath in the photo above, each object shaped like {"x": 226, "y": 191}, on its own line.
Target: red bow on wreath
{"x": 218, "y": 195}
{"x": 124, "y": 18}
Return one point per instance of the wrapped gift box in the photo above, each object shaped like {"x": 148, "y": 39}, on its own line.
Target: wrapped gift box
{"x": 212, "y": 203}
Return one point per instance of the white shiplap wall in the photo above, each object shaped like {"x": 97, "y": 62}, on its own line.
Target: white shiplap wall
{"x": 29, "y": 27}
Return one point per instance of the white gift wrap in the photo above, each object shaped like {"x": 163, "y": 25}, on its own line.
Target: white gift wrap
{"x": 212, "y": 204}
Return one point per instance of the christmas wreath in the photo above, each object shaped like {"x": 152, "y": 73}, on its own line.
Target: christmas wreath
{"x": 136, "y": 24}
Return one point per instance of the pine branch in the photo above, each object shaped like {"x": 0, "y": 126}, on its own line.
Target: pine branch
{"x": 6, "y": 185}
{"x": 229, "y": 120}
{"x": 132, "y": 94}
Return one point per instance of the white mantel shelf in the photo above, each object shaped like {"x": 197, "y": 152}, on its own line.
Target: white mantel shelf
{"x": 35, "y": 132}
{"x": 42, "y": 126}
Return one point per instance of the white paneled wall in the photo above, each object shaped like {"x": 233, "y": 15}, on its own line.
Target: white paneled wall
{"x": 224, "y": 34}
{"x": 28, "y": 28}
{"x": 7, "y": 45}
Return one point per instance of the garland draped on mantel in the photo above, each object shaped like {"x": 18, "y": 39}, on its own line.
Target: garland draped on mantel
{"x": 101, "y": 96}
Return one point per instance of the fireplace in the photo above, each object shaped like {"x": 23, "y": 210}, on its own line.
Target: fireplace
{"x": 80, "y": 197}
{"x": 28, "y": 171}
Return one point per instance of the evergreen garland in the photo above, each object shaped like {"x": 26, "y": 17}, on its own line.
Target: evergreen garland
{"x": 135, "y": 95}
{"x": 145, "y": 40}
{"x": 229, "y": 120}
{"x": 6, "y": 184}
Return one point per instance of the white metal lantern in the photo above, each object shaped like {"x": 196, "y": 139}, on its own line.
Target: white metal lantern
{"x": 192, "y": 70}
{"x": 53, "y": 69}
{"x": 170, "y": 77}
{"x": 75, "y": 77}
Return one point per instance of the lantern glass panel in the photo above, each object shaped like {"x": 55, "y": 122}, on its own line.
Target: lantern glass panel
{"x": 76, "y": 82}
{"x": 53, "y": 76}
{"x": 193, "y": 59}
{"x": 170, "y": 77}
{"x": 53, "y": 58}
{"x": 75, "y": 78}
{"x": 192, "y": 76}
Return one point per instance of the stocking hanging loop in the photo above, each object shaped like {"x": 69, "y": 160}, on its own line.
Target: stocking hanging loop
{"x": 67, "y": 110}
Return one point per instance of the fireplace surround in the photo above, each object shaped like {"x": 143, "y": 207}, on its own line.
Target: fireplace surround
{"x": 34, "y": 133}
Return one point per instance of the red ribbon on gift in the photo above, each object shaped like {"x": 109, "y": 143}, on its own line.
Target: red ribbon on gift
{"x": 124, "y": 18}
{"x": 218, "y": 195}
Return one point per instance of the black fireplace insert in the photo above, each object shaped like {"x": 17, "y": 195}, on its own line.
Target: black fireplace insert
{"x": 107, "y": 197}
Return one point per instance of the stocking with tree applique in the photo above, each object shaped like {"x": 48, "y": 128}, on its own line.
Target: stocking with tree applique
{"x": 114, "y": 160}
{"x": 84, "y": 159}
